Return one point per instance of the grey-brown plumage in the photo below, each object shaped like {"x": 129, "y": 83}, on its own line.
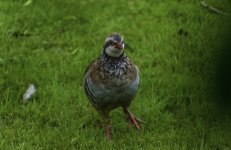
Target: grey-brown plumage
{"x": 112, "y": 80}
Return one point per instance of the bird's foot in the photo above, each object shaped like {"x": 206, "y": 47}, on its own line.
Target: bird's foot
{"x": 132, "y": 119}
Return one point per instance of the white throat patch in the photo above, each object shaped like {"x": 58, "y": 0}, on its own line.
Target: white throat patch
{"x": 113, "y": 52}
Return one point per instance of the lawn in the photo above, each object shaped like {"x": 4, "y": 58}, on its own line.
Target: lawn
{"x": 176, "y": 45}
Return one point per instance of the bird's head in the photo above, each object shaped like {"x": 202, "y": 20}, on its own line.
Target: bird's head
{"x": 114, "y": 45}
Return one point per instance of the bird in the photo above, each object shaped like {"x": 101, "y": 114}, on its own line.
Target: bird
{"x": 112, "y": 81}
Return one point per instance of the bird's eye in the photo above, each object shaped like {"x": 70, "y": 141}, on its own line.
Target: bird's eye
{"x": 112, "y": 43}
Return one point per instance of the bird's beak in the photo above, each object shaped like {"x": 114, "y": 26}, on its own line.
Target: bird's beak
{"x": 119, "y": 46}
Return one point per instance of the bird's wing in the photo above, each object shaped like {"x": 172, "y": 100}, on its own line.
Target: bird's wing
{"x": 88, "y": 71}
{"x": 133, "y": 73}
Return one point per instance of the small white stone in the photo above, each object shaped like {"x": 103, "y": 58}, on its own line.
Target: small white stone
{"x": 29, "y": 92}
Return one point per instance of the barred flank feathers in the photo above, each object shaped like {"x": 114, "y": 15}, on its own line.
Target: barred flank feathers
{"x": 89, "y": 94}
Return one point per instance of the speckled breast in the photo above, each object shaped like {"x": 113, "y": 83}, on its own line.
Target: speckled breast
{"x": 118, "y": 92}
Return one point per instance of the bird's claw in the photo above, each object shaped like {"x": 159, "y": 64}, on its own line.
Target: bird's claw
{"x": 132, "y": 119}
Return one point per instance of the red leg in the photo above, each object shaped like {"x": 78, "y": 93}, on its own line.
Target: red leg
{"x": 107, "y": 125}
{"x": 132, "y": 119}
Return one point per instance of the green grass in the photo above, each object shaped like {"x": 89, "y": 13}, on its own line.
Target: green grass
{"x": 174, "y": 43}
